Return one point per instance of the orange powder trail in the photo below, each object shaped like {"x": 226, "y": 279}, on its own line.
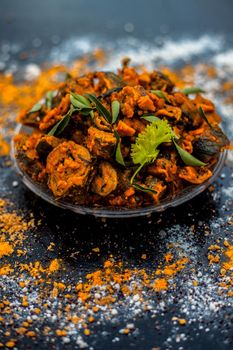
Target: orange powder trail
{"x": 5, "y": 249}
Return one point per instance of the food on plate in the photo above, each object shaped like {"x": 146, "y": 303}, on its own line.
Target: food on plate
{"x": 124, "y": 140}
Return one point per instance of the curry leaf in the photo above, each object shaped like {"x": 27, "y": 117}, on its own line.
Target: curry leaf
{"x": 192, "y": 90}
{"x": 143, "y": 189}
{"x": 118, "y": 154}
{"x": 35, "y": 108}
{"x": 49, "y": 99}
{"x": 150, "y": 118}
{"x": 100, "y": 108}
{"x": 62, "y": 124}
{"x": 77, "y": 103}
{"x": 188, "y": 158}
{"x": 161, "y": 94}
{"x": 85, "y": 111}
{"x": 81, "y": 99}
{"x": 115, "y": 110}
{"x": 82, "y": 103}
{"x": 203, "y": 115}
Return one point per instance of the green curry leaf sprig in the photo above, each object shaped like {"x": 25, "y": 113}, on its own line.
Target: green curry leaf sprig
{"x": 160, "y": 94}
{"x": 83, "y": 105}
{"x": 62, "y": 124}
{"x": 118, "y": 155}
{"x": 78, "y": 104}
{"x": 115, "y": 109}
{"x": 35, "y": 108}
{"x": 188, "y": 158}
{"x": 192, "y": 90}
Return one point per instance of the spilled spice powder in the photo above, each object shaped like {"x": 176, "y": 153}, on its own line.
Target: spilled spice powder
{"x": 5, "y": 249}
{"x": 54, "y": 266}
{"x": 4, "y": 147}
{"x": 228, "y": 265}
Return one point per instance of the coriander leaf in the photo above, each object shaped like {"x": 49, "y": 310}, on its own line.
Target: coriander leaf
{"x": 144, "y": 150}
{"x": 115, "y": 110}
{"x": 35, "y": 108}
{"x": 192, "y": 90}
{"x": 203, "y": 115}
{"x": 143, "y": 189}
{"x": 188, "y": 158}
{"x": 150, "y": 118}
{"x": 49, "y": 99}
{"x": 100, "y": 108}
{"x": 62, "y": 124}
{"x": 160, "y": 94}
{"x": 118, "y": 154}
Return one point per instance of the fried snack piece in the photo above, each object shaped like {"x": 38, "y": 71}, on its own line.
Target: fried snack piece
{"x": 27, "y": 156}
{"x": 194, "y": 175}
{"x": 164, "y": 168}
{"x": 157, "y": 186}
{"x": 209, "y": 143}
{"x": 32, "y": 119}
{"x": 45, "y": 145}
{"x": 68, "y": 167}
{"x": 160, "y": 81}
{"x": 55, "y": 114}
{"x": 124, "y": 130}
{"x": 106, "y": 181}
{"x": 100, "y": 143}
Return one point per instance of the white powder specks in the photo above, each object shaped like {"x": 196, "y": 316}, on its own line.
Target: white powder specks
{"x": 141, "y": 52}
{"x": 225, "y": 59}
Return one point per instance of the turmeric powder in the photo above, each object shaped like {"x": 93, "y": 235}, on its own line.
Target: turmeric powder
{"x": 5, "y": 249}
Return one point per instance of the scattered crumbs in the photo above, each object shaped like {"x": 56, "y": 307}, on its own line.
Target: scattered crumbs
{"x": 96, "y": 250}
{"x": 51, "y": 246}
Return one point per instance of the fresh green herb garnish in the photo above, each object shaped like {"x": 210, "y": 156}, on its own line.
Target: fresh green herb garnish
{"x": 100, "y": 108}
{"x": 115, "y": 110}
{"x": 35, "y": 108}
{"x": 188, "y": 158}
{"x": 143, "y": 189}
{"x": 192, "y": 90}
{"x": 145, "y": 150}
{"x": 160, "y": 94}
{"x": 62, "y": 124}
{"x": 118, "y": 154}
{"x": 150, "y": 118}
{"x": 203, "y": 115}
{"x": 81, "y": 103}
{"x": 49, "y": 99}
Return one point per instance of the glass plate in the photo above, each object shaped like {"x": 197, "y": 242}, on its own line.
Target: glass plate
{"x": 185, "y": 195}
